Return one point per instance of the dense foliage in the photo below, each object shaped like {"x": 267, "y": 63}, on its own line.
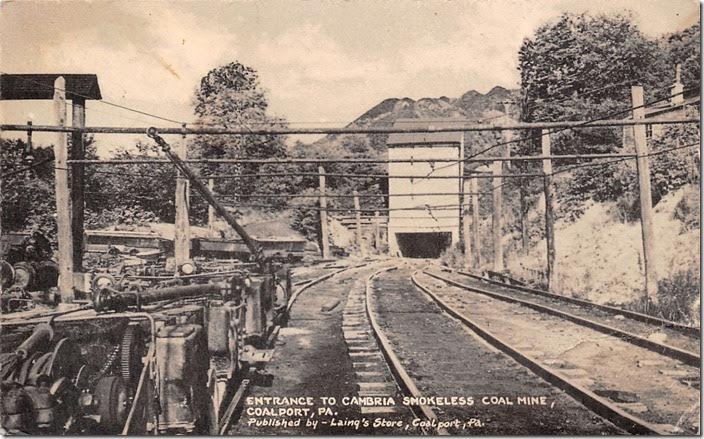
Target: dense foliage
{"x": 231, "y": 95}
{"x": 581, "y": 67}
{"x": 28, "y": 199}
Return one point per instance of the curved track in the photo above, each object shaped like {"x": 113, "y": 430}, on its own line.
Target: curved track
{"x": 638, "y": 333}
{"x": 654, "y": 322}
{"x": 652, "y": 391}
{"x": 439, "y": 362}
{"x": 401, "y": 376}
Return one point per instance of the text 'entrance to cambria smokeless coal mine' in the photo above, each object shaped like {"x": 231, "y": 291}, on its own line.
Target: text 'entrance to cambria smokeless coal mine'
{"x": 423, "y": 245}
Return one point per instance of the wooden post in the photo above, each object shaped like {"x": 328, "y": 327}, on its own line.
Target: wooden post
{"x": 646, "y": 200}
{"x": 474, "y": 190}
{"x": 549, "y": 212}
{"x": 181, "y": 224}
{"x": 78, "y": 152}
{"x": 523, "y": 216}
{"x": 467, "y": 237}
{"x": 496, "y": 183}
{"x": 325, "y": 247}
{"x": 358, "y": 221}
{"x": 211, "y": 209}
{"x": 63, "y": 197}
{"x": 377, "y": 232}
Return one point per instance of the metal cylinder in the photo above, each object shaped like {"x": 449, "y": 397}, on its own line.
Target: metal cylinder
{"x": 42, "y": 335}
{"x": 109, "y": 299}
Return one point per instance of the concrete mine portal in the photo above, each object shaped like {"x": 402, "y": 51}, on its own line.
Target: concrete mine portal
{"x": 423, "y": 245}
{"x": 424, "y": 214}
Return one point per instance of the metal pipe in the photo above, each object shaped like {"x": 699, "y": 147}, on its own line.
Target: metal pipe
{"x": 110, "y": 299}
{"x": 245, "y": 131}
{"x": 205, "y": 193}
{"x": 355, "y": 161}
{"x": 42, "y": 334}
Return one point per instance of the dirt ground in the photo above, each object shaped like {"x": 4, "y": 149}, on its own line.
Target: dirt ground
{"x": 446, "y": 360}
{"x": 598, "y": 361}
{"x": 312, "y": 360}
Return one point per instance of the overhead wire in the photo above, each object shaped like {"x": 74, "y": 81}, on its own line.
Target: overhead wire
{"x": 124, "y": 107}
{"x": 537, "y": 136}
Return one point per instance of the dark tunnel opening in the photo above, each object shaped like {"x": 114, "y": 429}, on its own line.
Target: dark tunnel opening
{"x": 423, "y": 245}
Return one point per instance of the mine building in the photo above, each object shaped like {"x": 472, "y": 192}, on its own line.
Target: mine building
{"x": 423, "y": 225}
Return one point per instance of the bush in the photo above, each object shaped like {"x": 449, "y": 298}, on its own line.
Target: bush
{"x": 687, "y": 210}
{"x": 453, "y": 256}
{"x": 677, "y": 298}
{"x": 677, "y": 295}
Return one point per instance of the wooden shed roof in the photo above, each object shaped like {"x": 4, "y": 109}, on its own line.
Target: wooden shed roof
{"x": 397, "y": 139}
{"x": 41, "y": 86}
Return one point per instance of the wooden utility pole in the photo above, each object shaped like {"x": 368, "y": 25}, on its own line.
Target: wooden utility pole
{"x": 325, "y": 247}
{"x": 181, "y": 224}
{"x": 474, "y": 190}
{"x": 63, "y": 197}
{"x": 467, "y": 237}
{"x": 358, "y": 222}
{"x": 211, "y": 209}
{"x": 496, "y": 183}
{"x": 646, "y": 200}
{"x": 78, "y": 152}
{"x": 377, "y": 231}
{"x": 549, "y": 212}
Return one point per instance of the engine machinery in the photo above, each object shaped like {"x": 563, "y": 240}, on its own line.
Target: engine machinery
{"x": 158, "y": 357}
{"x": 27, "y": 273}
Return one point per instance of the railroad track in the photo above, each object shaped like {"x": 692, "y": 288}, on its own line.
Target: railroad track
{"x": 646, "y": 334}
{"x": 404, "y": 381}
{"x": 304, "y": 284}
{"x": 603, "y": 310}
{"x": 642, "y": 388}
{"x": 461, "y": 385}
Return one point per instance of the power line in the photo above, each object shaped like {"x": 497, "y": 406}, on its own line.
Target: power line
{"x": 293, "y": 161}
{"x": 134, "y": 110}
{"x": 580, "y": 125}
{"x": 360, "y": 176}
{"x": 28, "y": 168}
{"x": 650, "y": 154}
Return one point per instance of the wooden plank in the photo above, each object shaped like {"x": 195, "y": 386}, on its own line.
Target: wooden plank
{"x": 549, "y": 213}
{"x": 181, "y": 224}
{"x": 646, "y": 200}
{"x": 63, "y": 198}
{"x": 324, "y": 245}
{"x": 78, "y": 106}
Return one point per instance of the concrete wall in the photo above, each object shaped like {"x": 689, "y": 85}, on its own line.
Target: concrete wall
{"x": 424, "y": 221}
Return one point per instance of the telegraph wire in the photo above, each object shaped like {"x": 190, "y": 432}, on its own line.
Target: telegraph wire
{"x": 134, "y": 110}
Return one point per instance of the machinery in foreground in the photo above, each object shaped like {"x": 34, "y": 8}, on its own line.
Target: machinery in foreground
{"x": 161, "y": 358}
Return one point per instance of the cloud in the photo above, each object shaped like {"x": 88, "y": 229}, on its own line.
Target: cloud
{"x": 326, "y": 61}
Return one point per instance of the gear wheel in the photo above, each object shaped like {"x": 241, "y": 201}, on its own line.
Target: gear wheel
{"x": 132, "y": 350}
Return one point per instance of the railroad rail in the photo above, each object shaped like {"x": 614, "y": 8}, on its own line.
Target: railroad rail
{"x": 511, "y": 283}
{"x": 468, "y": 311}
{"x": 685, "y": 356}
{"x": 403, "y": 379}
{"x": 304, "y": 285}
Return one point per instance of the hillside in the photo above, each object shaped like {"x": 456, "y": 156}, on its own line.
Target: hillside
{"x": 472, "y": 105}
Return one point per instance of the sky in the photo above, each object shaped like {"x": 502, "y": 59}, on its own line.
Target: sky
{"x": 322, "y": 63}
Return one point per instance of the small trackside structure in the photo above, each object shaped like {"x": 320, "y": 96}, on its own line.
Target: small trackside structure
{"x": 424, "y": 225}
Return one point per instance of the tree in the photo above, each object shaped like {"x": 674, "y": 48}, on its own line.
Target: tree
{"x": 28, "y": 199}
{"x": 581, "y": 67}
{"x": 231, "y": 96}
{"x": 683, "y": 48}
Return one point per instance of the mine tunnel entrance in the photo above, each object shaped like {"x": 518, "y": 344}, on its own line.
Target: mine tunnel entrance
{"x": 423, "y": 245}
